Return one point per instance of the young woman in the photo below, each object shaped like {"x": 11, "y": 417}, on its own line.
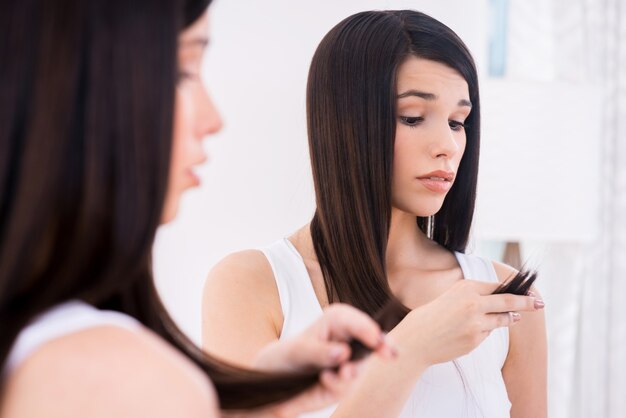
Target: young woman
{"x": 102, "y": 115}
{"x": 393, "y": 119}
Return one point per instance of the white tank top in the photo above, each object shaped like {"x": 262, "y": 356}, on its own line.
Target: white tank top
{"x": 470, "y": 387}
{"x": 59, "y": 321}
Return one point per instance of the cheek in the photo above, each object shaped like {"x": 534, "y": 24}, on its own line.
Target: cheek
{"x": 408, "y": 152}
{"x": 181, "y": 131}
{"x": 462, "y": 147}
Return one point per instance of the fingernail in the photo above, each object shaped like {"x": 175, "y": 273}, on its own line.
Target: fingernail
{"x": 391, "y": 349}
{"x": 516, "y": 316}
{"x": 336, "y": 353}
{"x": 539, "y": 304}
{"x": 381, "y": 339}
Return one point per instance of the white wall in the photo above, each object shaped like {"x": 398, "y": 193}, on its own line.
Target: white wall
{"x": 257, "y": 187}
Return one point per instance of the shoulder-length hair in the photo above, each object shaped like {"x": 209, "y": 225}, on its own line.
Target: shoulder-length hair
{"x": 351, "y": 117}
{"x": 86, "y": 114}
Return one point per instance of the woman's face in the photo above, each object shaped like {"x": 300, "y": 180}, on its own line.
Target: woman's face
{"x": 195, "y": 116}
{"x": 433, "y": 103}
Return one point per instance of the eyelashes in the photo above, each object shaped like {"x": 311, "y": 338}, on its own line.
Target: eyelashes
{"x": 411, "y": 121}
{"x": 182, "y": 76}
{"x": 414, "y": 121}
{"x": 455, "y": 125}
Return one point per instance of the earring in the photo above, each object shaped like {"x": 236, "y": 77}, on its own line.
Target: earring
{"x": 430, "y": 226}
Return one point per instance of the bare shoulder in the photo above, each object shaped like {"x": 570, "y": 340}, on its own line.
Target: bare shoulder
{"x": 241, "y": 310}
{"x": 248, "y": 265}
{"x": 503, "y": 271}
{"x": 108, "y": 371}
{"x": 531, "y": 330}
{"x": 525, "y": 367}
{"x": 528, "y": 337}
{"x": 241, "y": 276}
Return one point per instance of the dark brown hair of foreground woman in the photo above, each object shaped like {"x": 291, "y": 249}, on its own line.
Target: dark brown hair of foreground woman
{"x": 86, "y": 111}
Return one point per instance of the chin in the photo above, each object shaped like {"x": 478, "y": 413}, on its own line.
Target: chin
{"x": 427, "y": 210}
{"x": 169, "y": 214}
{"x": 422, "y": 206}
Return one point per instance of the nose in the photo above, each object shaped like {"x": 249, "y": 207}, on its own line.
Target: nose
{"x": 208, "y": 117}
{"x": 444, "y": 143}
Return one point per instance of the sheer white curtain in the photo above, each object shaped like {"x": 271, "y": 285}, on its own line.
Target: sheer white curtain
{"x": 600, "y": 373}
{"x": 584, "y": 284}
{"x": 588, "y": 331}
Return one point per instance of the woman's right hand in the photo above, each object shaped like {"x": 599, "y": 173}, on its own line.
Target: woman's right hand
{"x": 457, "y": 321}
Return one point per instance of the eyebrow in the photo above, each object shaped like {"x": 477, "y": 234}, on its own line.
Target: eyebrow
{"x": 430, "y": 97}
{"x": 202, "y": 42}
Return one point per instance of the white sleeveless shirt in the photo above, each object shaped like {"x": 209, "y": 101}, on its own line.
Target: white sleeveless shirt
{"x": 470, "y": 387}
{"x": 61, "y": 320}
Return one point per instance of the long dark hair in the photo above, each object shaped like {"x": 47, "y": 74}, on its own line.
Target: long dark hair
{"x": 86, "y": 115}
{"x": 351, "y": 116}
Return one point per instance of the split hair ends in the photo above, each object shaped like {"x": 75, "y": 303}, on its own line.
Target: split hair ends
{"x": 394, "y": 311}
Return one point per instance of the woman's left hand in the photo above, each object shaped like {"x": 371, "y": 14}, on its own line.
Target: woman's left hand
{"x": 324, "y": 345}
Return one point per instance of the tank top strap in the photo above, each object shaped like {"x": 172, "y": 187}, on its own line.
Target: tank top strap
{"x": 497, "y": 344}
{"x": 297, "y": 297}
{"x": 476, "y": 268}
{"x": 61, "y": 320}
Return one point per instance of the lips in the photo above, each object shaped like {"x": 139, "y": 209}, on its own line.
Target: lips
{"x": 195, "y": 179}
{"x": 437, "y": 181}
{"x": 191, "y": 174}
{"x": 439, "y": 175}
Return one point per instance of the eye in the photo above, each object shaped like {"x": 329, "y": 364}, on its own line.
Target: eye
{"x": 411, "y": 121}
{"x": 182, "y": 76}
{"x": 455, "y": 125}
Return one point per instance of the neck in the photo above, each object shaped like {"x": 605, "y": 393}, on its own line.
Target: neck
{"x": 407, "y": 243}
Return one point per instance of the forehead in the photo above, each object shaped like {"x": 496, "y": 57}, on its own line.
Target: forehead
{"x": 430, "y": 76}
